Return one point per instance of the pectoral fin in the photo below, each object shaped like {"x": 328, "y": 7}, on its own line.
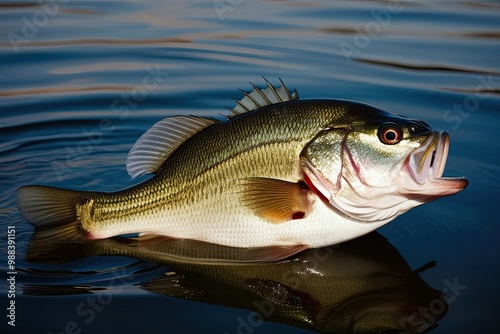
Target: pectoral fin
{"x": 277, "y": 201}
{"x": 284, "y": 295}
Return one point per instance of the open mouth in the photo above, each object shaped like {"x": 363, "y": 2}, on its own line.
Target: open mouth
{"x": 426, "y": 163}
{"x": 429, "y": 160}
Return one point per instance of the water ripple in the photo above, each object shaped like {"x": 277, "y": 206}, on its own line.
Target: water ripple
{"x": 432, "y": 68}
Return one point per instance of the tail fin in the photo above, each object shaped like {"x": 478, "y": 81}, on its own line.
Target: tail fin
{"x": 53, "y": 211}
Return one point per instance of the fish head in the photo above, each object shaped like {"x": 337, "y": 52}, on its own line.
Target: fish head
{"x": 373, "y": 165}
{"x": 392, "y": 311}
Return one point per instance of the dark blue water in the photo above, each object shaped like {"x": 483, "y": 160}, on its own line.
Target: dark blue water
{"x": 82, "y": 80}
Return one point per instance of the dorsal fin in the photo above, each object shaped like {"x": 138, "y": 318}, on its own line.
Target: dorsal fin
{"x": 157, "y": 143}
{"x": 259, "y": 98}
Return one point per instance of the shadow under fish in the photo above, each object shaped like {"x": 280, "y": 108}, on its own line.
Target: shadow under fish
{"x": 360, "y": 286}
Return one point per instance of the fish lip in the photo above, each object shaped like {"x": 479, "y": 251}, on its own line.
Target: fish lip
{"x": 425, "y": 165}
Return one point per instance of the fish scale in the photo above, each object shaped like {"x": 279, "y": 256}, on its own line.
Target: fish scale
{"x": 278, "y": 172}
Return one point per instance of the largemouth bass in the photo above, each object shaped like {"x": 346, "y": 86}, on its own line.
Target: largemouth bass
{"x": 360, "y": 286}
{"x": 279, "y": 171}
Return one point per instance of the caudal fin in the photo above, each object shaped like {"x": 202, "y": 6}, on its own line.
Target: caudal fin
{"x": 53, "y": 211}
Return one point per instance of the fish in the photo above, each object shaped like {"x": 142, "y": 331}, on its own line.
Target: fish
{"x": 360, "y": 286}
{"x": 278, "y": 171}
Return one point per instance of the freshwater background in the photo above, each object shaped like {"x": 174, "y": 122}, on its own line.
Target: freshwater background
{"x": 80, "y": 81}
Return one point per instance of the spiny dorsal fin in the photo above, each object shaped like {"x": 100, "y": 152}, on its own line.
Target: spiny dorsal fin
{"x": 259, "y": 98}
{"x": 155, "y": 145}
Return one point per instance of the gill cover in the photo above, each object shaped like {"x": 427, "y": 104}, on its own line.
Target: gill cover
{"x": 321, "y": 161}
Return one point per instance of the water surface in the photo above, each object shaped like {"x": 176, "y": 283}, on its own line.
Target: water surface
{"x": 82, "y": 80}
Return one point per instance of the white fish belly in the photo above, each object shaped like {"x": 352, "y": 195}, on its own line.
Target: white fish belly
{"x": 237, "y": 226}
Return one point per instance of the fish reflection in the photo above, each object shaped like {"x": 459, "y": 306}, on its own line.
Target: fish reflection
{"x": 361, "y": 286}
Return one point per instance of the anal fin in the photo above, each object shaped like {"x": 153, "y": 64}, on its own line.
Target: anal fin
{"x": 277, "y": 201}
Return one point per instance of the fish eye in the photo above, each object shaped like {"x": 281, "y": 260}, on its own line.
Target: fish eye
{"x": 390, "y": 134}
